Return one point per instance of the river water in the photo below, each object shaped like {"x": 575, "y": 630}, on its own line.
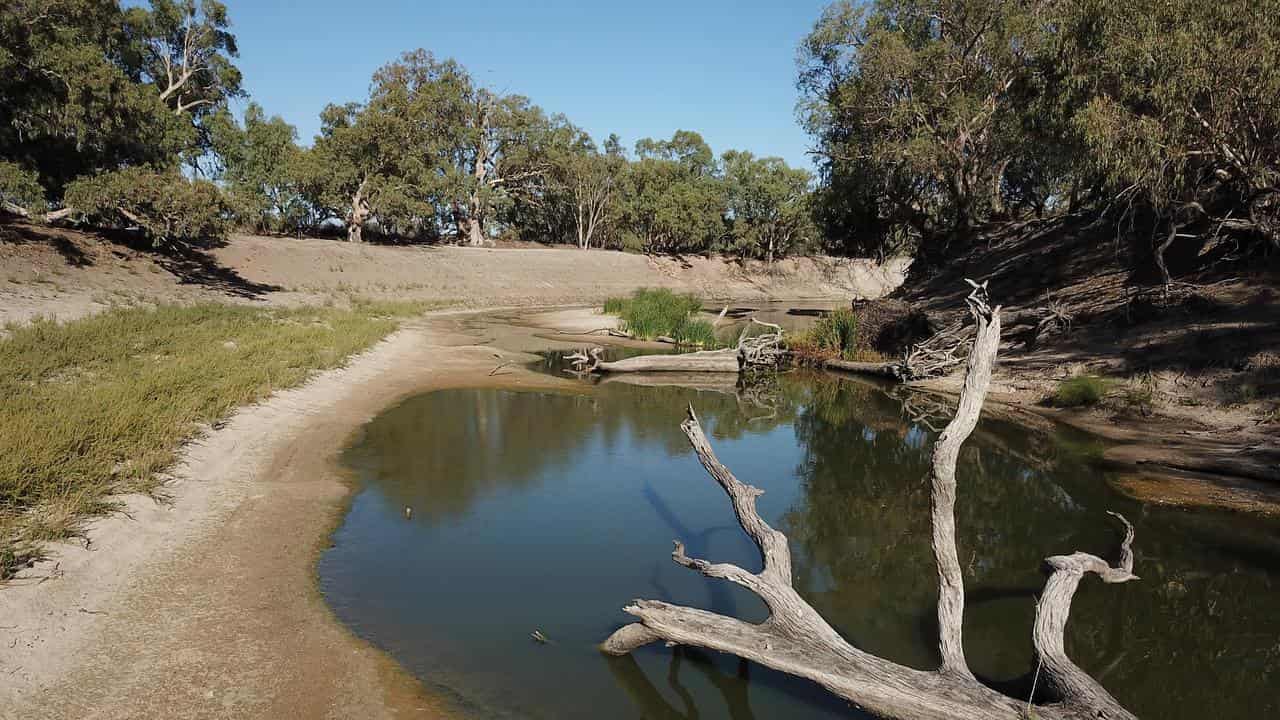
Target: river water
{"x": 549, "y": 512}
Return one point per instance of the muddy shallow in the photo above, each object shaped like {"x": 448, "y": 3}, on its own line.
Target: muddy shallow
{"x": 540, "y": 511}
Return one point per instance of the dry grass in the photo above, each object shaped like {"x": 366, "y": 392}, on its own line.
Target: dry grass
{"x": 101, "y": 405}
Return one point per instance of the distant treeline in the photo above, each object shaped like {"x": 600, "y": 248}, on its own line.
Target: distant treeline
{"x": 929, "y": 118}
{"x": 102, "y": 109}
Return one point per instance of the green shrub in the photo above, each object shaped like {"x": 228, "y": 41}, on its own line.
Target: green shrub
{"x": 837, "y": 331}
{"x": 19, "y": 186}
{"x": 651, "y": 313}
{"x": 1080, "y": 391}
{"x": 166, "y": 206}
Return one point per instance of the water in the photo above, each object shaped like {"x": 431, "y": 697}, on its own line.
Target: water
{"x": 536, "y": 511}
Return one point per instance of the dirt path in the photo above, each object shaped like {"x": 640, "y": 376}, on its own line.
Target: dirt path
{"x": 207, "y": 606}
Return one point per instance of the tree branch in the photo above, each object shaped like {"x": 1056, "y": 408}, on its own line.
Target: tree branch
{"x": 1074, "y": 686}
{"x": 946, "y": 452}
{"x": 795, "y": 639}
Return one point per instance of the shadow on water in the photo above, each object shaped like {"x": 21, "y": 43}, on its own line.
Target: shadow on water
{"x": 551, "y": 511}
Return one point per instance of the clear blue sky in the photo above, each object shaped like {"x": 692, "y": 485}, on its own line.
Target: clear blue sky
{"x": 640, "y": 69}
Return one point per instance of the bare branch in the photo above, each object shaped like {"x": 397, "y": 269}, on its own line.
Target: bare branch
{"x": 1074, "y": 686}
{"x": 795, "y": 639}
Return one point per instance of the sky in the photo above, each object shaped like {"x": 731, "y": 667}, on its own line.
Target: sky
{"x": 640, "y": 69}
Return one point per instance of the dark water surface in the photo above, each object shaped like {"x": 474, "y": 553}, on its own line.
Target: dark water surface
{"x": 550, "y": 512}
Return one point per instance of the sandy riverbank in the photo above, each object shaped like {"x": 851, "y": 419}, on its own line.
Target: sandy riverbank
{"x": 206, "y": 606}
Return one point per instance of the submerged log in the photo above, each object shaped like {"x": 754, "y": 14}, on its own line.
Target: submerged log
{"x": 795, "y": 638}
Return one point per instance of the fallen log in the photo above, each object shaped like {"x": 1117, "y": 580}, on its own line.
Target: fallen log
{"x": 893, "y": 371}
{"x": 715, "y": 361}
{"x": 762, "y": 351}
{"x": 795, "y": 638}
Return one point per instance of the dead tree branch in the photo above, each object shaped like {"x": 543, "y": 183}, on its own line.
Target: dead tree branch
{"x": 795, "y": 639}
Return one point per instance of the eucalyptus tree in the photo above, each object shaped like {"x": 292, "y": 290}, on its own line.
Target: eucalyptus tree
{"x": 262, "y": 166}
{"x": 185, "y": 51}
{"x": 1175, "y": 106}
{"x": 686, "y": 148}
{"x": 586, "y": 181}
{"x": 768, "y": 205}
{"x": 72, "y": 101}
{"x": 672, "y": 199}
{"x": 347, "y": 166}
{"x": 915, "y": 95}
{"x": 504, "y": 156}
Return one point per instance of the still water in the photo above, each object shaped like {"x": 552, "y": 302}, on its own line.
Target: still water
{"x": 548, "y": 512}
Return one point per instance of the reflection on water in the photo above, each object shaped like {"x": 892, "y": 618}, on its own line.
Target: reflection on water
{"x": 550, "y": 512}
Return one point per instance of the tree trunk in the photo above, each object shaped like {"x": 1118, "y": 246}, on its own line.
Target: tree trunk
{"x": 359, "y": 214}
{"x": 997, "y": 196}
{"x": 475, "y": 202}
{"x": 475, "y": 232}
{"x": 795, "y": 639}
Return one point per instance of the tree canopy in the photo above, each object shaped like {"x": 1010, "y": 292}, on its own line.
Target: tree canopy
{"x": 929, "y": 118}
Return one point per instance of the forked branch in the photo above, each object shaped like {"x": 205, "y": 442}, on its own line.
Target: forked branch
{"x": 795, "y": 639}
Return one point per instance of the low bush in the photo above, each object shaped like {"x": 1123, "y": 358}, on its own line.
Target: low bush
{"x": 20, "y": 187}
{"x": 1140, "y": 394}
{"x": 167, "y": 207}
{"x": 1079, "y": 391}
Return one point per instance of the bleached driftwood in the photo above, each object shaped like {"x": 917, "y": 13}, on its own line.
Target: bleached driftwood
{"x": 795, "y": 639}
{"x": 752, "y": 352}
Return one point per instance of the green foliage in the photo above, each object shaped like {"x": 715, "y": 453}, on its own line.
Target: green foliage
{"x": 84, "y": 86}
{"x": 20, "y": 187}
{"x": 695, "y": 333}
{"x": 911, "y": 103}
{"x": 651, "y": 313}
{"x": 264, "y": 173}
{"x": 671, "y": 199}
{"x": 1200, "y": 124}
{"x": 1080, "y": 391}
{"x": 616, "y": 305}
{"x": 933, "y": 115}
{"x": 165, "y": 206}
{"x": 768, "y": 210}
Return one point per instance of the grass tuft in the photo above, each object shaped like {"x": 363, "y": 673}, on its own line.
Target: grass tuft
{"x": 833, "y": 335}
{"x": 100, "y": 405}
{"x": 652, "y": 313}
{"x": 1080, "y": 391}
